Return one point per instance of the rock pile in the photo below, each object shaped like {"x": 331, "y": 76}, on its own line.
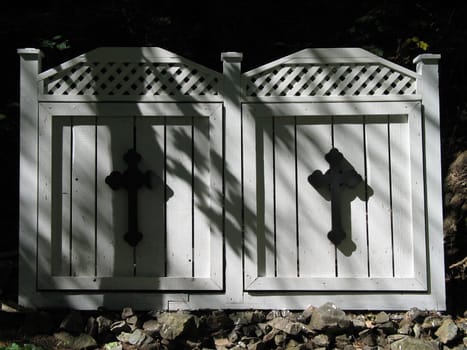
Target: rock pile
{"x": 325, "y": 327}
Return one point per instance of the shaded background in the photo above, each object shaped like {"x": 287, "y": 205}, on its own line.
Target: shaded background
{"x": 398, "y": 30}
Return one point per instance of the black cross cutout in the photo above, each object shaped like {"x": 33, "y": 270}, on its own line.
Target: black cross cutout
{"x": 132, "y": 180}
{"x": 335, "y": 180}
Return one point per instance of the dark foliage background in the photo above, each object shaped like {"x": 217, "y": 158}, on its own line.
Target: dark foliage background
{"x": 200, "y": 30}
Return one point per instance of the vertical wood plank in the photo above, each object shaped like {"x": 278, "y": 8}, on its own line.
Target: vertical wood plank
{"x": 114, "y": 255}
{"x": 252, "y": 199}
{"x": 401, "y": 198}
{"x": 265, "y": 196}
{"x": 285, "y": 191}
{"x": 83, "y": 196}
{"x": 316, "y": 252}
{"x": 179, "y": 179}
{"x": 44, "y": 257}
{"x": 150, "y": 253}
{"x": 61, "y": 190}
{"x": 379, "y": 201}
{"x": 348, "y": 139}
{"x": 201, "y": 197}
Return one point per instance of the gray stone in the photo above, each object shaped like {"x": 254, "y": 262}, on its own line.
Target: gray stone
{"x": 381, "y": 318}
{"x": 447, "y": 332}
{"x": 73, "y": 322}
{"x": 219, "y": 320}
{"x": 342, "y": 340}
{"x": 415, "y": 314}
{"x": 103, "y": 324}
{"x": 175, "y": 324}
{"x": 280, "y": 338}
{"x": 417, "y": 330}
{"x": 321, "y": 340}
{"x": 119, "y": 326}
{"x": 270, "y": 336}
{"x": 359, "y": 322}
{"x": 286, "y": 326}
{"x": 294, "y": 345}
{"x": 115, "y": 345}
{"x": 405, "y": 326}
{"x": 306, "y": 314}
{"x": 432, "y": 322}
{"x": 234, "y": 336}
{"x": 368, "y": 337}
{"x": 124, "y": 337}
{"x": 91, "y": 326}
{"x": 139, "y": 338}
{"x": 82, "y": 341}
{"x": 127, "y": 312}
{"x": 258, "y": 345}
{"x": 410, "y": 343}
{"x": 387, "y": 328}
{"x": 328, "y": 315}
{"x": 132, "y": 321}
{"x": 151, "y": 326}
{"x": 222, "y": 342}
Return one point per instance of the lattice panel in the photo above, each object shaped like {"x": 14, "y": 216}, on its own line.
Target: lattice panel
{"x": 330, "y": 80}
{"x": 130, "y": 79}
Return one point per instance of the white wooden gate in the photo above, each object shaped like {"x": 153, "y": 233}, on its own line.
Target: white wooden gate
{"x": 310, "y": 179}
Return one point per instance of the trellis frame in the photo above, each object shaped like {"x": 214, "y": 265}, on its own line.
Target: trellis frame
{"x": 232, "y": 91}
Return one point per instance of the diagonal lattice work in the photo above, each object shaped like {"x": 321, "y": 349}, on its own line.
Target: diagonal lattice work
{"x": 132, "y": 79}
{"x": 303, "y": 80}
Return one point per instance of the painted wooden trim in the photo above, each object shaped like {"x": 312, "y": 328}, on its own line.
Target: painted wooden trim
{"x": 317, "y": 110}
{"x": 136, "y": 98}
{"x": 335, "y": 284}
{"x": 30, "y": 65}
{"x": 428, "y": 84}
{"x": 332, "y": 99}
{"x": 232, "y": 193}
{"x": 156, "y": 284}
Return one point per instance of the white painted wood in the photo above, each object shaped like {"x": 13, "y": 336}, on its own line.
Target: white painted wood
{"x": 401, "y": 198}
{"x": 150, "y": 254}
{"x": 215, "y": 197}
{"x": 316, "y": 252}
{"x": 114, "y": 256}
{"x": 124, "y": 55}
{"x": 248, "y": 210}
{"x": 333, "y": 99}
{"x": 264, "y": 168}
{"x": 44, "y": 220}
{"x": 83, "y": 182}
{"x": 334, "y": 55}
{"x": 427, "y": 67}
{"x": 380, "y": 247}
{"x": 285, "y": 194}
{"x": 178, "y": 153}
{"x": 336, "y": 284}
{"x": 201, "y": 197}
{"x": 233, "y": 203}
{"x": 417, "y": 193}
{"x": 29, "y": 67}
{"x": 253, "y": 237}
{"x": 61, "y": 189}
{"x": 352, "y": 253}
{"x": 129, "y": 283}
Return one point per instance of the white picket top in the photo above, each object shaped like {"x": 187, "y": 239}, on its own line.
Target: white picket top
{"x": 232, "y": 219}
